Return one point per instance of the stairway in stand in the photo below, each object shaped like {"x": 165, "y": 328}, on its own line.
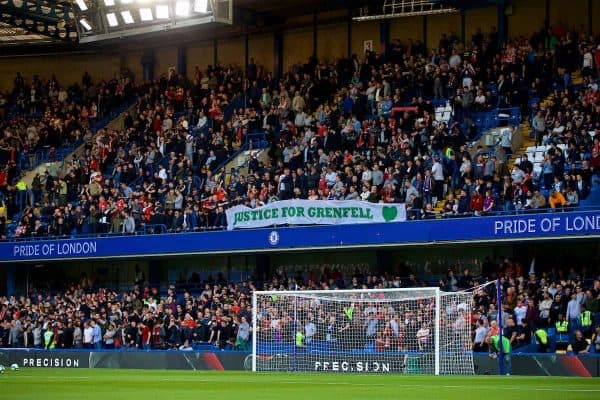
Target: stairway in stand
{"x": 525, "y": 130}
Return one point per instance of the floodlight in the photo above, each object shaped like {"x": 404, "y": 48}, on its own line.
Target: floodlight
{"x": 146, "y": 14}
{"x": 109, "y": 3}
{"x": 201, "y": 6}
{"x": 85, "y": 24}
{"x": 127, "y": 17}
{"x": 162, "y": 11}
{"x": 126, "y": 1}
{"x": 182, "y": 8}
{"x": 82, "y": 5}
{"x": 112, "y": 19}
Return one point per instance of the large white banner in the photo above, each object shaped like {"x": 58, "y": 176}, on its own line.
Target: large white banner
{"x": 317, "y": 212}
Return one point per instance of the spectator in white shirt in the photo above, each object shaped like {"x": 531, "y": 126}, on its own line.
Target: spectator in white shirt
{"x": 520, "y": 311}
{"x": 201, "y": 120}
{"x": 88, "y": 336}
{"x": 454, "y": 59}
{"x": 573, "y": 311}
{"x": 437, "y": 171}
{"x": 479, "y": 344}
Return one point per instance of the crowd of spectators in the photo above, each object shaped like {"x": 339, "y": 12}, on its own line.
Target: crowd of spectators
{"x": 45, "y": 117}
{"x": 557, "y": 311}
{"x": 553, "y": 311}
{"x": 332, "y": 136}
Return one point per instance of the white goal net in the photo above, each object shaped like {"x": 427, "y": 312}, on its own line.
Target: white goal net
{"x": 411, "y": 331}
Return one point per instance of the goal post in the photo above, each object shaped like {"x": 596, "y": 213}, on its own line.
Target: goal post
{"x": 404, "y": 330}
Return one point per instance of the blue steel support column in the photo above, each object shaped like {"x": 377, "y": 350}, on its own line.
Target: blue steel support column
{"x": 590, "y": 18}
{"x": 147, "y": 62}
{"x": 500, "y": 328}
{"x": 154, "y": 272}
{"x": 384, "y": 261}
{"x": 425, "y": 32}
{"x": 315, "y": 24}
{"x": 11, "y": 279}
{"x": 349, "y": 43}
{"x": 215, "y": 52}
{"x": 502, "y": 24}
{"x": 463, "y": 25}
{"x": 384, "y": 36}
{"x": 182, "y": 61}
{"x": 246, "y": 51}
{"x": 277, "y": 55}
{"x": 263, "y": 266}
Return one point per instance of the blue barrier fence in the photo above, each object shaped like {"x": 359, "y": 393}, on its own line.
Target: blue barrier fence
{"x": 578, "y": 224}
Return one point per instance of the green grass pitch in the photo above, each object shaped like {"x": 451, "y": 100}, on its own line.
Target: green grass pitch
{"x": 112, "y": 384}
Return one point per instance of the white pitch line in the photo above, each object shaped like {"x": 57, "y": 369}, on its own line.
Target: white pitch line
{"x": 479, "y": 387}
{"x": 19, "y": 376}
{"x": 296, "y": 382}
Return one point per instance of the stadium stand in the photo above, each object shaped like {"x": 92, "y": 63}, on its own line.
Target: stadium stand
{"x": 44, "y": 121}
{"x": 202, "y": 314}
{"x": 408, "y": 127}
{"x": 459, "y": 130}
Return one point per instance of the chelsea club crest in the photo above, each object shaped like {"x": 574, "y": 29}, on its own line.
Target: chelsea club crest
{"x": 273, "y": 238}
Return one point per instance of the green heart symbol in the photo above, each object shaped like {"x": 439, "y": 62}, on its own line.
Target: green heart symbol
{"x": 389, "y": 213}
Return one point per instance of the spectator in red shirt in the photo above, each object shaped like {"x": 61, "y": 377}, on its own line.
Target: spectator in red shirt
{"x": 476, "y": 205}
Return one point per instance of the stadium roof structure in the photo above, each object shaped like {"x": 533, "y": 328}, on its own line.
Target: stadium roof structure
{"x": 52, "y": 24}
{"x": 32, "y": 21}
{"x": 11, "y": 35}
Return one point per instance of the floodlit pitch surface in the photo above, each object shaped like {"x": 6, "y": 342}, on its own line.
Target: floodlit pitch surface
{"x": 105, "y": 384}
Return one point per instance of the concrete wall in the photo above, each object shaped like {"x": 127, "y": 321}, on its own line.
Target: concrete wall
{"x": 231, "y": 51}
{"x": 483, "y": 18}
{"x": 596, "y": 18}
{"x": 297, "y": 46}
{"x": 68, "y": 68}
{"x": 199, "y": 54}
{"x": 439, "y": 24}
{"x": 166, "y": 57}
{"x": 132, "y": 62}
{"x": 361, "y": 31}
{"x": 261, "y": 48}
{"x": 332, "y": 41}
{"x": 527, "y": 16}
{"x": 570, "y": 13}
{"x": 407, "y": 28}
